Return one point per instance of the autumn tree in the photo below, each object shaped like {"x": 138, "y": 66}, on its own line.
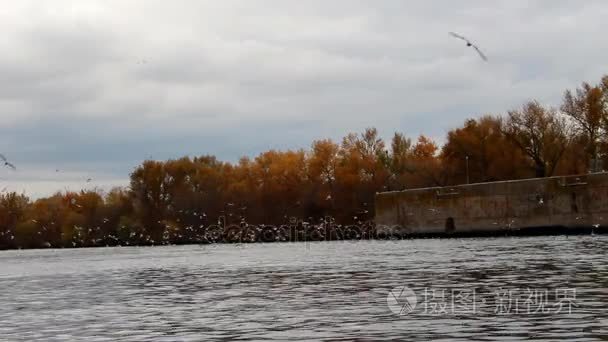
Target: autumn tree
{"x": 322, "y": 163}
{"x": 48, "y": 215}
{"x": 400, "y": 161}
{"x": 282, "y": 179}
{"x": 244, "y": 187}
{"x": 361, "y": 172}
{"x": 150, "y": 196}
{"x": 118, "y": 216}
{"x": 210, "y": 186}
{"x": 480, "y": 149}
{"x": 541, "y": 134}
{"x": 588, "y": 108}
{"x": 12, "y": 210}
{"x": 427, "y": 169}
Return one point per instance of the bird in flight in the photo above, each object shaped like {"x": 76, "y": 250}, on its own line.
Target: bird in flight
{"x": 470, "y": 44}
{"x": 6, "y": 162}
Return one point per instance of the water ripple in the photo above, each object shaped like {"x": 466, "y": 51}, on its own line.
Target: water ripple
{"x": 298, "y": 291}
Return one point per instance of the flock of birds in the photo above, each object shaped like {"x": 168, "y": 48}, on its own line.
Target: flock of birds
{"x": 204, "y": 233}
{"x": 12, "y": 166}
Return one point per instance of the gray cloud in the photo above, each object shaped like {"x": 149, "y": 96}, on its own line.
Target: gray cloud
{"x": 94, "y": 87}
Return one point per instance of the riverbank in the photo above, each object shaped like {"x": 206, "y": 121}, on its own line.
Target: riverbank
{"x": 251, "y": 234}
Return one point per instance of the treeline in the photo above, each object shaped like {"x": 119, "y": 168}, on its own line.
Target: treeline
{"x": 177, "y": 201}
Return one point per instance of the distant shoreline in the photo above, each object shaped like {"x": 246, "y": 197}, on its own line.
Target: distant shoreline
{"x": 352, "y": 234}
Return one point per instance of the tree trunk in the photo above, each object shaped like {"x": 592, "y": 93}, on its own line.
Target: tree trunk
{"x": 541, "y": 169}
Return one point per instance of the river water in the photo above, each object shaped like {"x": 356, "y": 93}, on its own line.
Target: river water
{"x": 540, "y": 288}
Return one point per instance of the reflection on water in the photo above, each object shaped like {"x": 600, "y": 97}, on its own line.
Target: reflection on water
{"x": 306, "y": 291}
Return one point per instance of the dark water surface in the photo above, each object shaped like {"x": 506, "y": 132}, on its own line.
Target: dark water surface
{"x": 309, "y": 291}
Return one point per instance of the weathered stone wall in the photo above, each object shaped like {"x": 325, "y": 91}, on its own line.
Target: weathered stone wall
{"x": 567, "y": 202}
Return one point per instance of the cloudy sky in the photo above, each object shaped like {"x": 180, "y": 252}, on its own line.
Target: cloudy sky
{"x": 92, "y": 88}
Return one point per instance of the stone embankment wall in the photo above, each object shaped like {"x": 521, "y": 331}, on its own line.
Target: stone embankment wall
{"x": 569, "y": 203}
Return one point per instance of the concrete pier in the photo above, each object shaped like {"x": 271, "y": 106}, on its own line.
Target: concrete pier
{"x": 575, "y": 204}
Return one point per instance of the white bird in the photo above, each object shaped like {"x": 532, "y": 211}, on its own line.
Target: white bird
{"x": 470, "y": 44}
{"x": 6, "y": 162}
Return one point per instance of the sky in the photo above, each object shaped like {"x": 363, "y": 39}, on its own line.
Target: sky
{"x": 90, "y": 89}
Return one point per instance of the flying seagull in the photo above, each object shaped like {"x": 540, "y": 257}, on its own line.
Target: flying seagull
{"x": 470, "y": 44}
{"x": 6, "y": 163}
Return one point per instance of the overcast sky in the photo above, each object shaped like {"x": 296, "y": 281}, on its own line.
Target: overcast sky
{"x": 92, "y": 88}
